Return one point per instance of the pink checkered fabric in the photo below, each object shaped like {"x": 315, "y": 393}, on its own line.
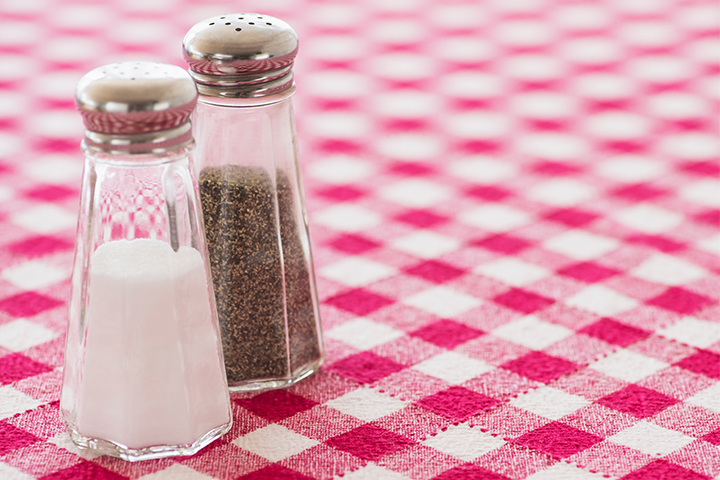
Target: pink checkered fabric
{"x": 515, "y": 212}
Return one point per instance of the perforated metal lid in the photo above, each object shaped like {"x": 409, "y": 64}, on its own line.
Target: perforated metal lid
{"x": 241, "y": 55}
{"x": 136, "y": 106}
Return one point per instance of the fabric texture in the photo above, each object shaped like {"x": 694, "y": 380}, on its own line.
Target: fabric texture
{"x": 514, "y": 209}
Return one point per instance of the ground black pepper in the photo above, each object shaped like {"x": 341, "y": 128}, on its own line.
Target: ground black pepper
{"x": 238, "y": 205}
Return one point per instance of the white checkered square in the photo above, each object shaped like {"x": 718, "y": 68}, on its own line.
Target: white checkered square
{"x": 6, "y": 193}
{"x": 692, "y": 331}
{"x": 409, "y": 146}
{"x": 464, "y": 442}
{"x": 22, "y": 334}
{"x": 604, "y": 86}
{"x": 580, "y": 245}
{"x": 566, "y": 471}
{"x": 477, "y": 124}
{"x": 426, "y": 244}
{"x": 677, "y": 105}
{"x": 340, "y": 169}
{"x": 512, "y": 271}
{"x": 532, "y": 332}
{"x": 616, "y": 125}
{"x": 483, "y": 170}
{"x": 667, "y": 270}
{"x": 711, "y": 244}
{"x": 34, "y": 274}
{"x": 549, "y": 402}
{"x": 14, "y": 401}
{"x": 402, "y": 66}
{"x": 704, "y": 192}
{"x": 338, "y": 125}
{"x": 651, "y": 439}
{"x": 601, "y": 300}
{"x": 648, "y": 218}
{"x": 176, "y": 471}
{"x": 407, "y": 104}
{"x": 367, "y": 404}
{"x": 55, "y": 168}
{"x": 628, "y": 168}
{"x": 363, "y": 334}
{"x": 357, "y": 271}
{"x": 452, "y": 367}
{"x": 274, "y": 442}
{"x": 56, "y": 123}
{"x": 347, "y": 218}
{"x": 690, "y": 145}
{"x": 494, "y": 218}
{"x": 9, "y": 473}
{"x": 443, "y": 301}
{"x": 543, "y": 105}
{"x": 562, "y": 192}
{"x": 45, "y": 219}
{"x": 14, "y": 103}
{"x": 536, "y": 68}
{"x": 708, "y": 398}
{"x": 63, "y": 440}
{"x": 699, "y": 17}
{"x": 668, "y": 69}
{"x": 650, "y": 34}
{"x": 372, "y": 471}
{"x": 549, "y": 146}
{"x": 415, "y": 193}
{"x": 628, "y": 365}
{"x": 337, "y": 84}
{"x": 464, "y": 49}
{"x": 472, "y": 84}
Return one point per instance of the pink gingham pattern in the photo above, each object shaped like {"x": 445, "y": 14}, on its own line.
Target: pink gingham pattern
{"x": 514, "y": 208}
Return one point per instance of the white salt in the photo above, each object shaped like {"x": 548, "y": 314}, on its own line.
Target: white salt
{"x": 151, "y": 373}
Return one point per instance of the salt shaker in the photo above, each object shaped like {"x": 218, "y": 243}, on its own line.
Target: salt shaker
{"x": 252, "y": 199}
{"x": 144, "y": 374}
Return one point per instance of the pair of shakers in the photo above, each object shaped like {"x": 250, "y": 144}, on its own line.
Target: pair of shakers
{"x": 193, "y": 273}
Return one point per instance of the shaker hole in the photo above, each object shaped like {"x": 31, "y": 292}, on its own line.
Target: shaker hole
{"x": 251, "y": 23}
{"x": 213, "y": 23}
{"x": 268, "y": 23}
{"x": 238, "y": 29}
{"x": 228, "y": 23}
{"x": 222, "y": 18}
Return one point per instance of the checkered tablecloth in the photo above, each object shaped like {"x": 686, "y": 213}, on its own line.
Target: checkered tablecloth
{"x": 515, "y": 212}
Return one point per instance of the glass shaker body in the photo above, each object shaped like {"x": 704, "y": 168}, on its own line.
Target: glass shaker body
{"x": 258, "y": 241}
{"x": 144, "y": 373}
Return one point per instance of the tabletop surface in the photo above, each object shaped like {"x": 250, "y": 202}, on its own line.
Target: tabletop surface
{"x": 514, "y": 209}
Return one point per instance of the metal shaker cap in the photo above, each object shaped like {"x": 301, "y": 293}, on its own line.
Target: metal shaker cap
{"x": 136, "y": 107}
{"x": 241, "y": 55}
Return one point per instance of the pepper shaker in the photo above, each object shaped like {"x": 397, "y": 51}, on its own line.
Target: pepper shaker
{"x": 144, "y": 374}
{"x": 252, "y": 199}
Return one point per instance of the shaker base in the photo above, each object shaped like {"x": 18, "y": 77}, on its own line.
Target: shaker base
{"x": 107, "y": 447}
{"x": 273, "y": 383}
